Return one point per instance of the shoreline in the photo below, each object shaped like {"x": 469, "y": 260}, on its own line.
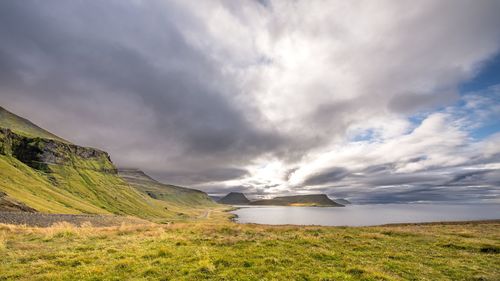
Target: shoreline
{"x": 458, "y": 222}
{"x": 491, "y": 221}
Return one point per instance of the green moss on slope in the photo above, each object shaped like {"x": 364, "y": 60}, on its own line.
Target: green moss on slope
{"x": 177, "y": 197}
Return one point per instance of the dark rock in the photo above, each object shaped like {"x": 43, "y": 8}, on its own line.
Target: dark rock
{"x": 39, "y": 153}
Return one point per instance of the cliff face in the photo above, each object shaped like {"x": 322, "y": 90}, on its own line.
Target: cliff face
{"x": 40, "y": 153}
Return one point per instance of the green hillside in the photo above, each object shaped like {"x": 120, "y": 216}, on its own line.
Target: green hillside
{"x": 23, "y": 126}
{"x": 54, "y": 176}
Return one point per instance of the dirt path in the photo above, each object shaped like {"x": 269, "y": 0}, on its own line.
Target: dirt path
{"x": 44, "y": 220}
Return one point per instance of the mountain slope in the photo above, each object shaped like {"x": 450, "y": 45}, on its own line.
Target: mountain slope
{"x": 49, "y": 175}
{"x": 319, "y": 200}
{"x": 175, "y": 195}
{"x": 23, "y": 126}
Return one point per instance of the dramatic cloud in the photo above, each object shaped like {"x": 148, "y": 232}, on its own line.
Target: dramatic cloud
{"x": 359, "y": 99}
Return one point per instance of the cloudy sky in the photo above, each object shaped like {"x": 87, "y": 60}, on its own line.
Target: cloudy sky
{"x": 375, "y": 101}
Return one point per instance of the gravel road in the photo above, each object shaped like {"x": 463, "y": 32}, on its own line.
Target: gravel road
{"x": 44, "y": 220}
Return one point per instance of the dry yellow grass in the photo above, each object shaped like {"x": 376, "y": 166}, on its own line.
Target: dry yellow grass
{"x": 3, "y": 241}
{"x": 221, "y": 250}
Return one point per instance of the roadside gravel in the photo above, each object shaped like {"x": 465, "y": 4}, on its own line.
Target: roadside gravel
{"x": 44, "y": 220}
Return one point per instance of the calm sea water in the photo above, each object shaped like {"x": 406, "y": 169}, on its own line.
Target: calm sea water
{"x": 364, "y": 215}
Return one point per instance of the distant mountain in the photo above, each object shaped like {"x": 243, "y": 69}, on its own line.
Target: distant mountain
{"x": 234, "y": 198}
{"x": 342, "y": 201}
{"x": 41, "y": 172}
{"x": 319, "y": 200}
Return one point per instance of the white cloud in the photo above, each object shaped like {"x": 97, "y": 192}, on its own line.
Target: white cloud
{"x": 372, "y": 58}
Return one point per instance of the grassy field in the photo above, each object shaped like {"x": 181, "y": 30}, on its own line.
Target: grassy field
{"x": 215, "y": 249}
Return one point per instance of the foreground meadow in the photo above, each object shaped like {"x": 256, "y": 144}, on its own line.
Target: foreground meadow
{"x": 227, "y": 251}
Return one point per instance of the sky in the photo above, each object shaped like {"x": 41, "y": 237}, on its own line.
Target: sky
{"x": 388, "y": 101}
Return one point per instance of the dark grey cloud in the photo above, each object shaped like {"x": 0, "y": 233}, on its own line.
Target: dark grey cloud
{"x": 413, "y": 102}
{"x": 332, "y": 175}
{"x": 74, "y": 57}
{"x": 451, "y": 184}
{"x": 203, "y": 176}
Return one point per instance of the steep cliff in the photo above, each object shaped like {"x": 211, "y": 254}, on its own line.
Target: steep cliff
{"x": 40, "y": 153}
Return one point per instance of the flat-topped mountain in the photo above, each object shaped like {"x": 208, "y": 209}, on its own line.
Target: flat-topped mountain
{"x": 318, "y": 200}
{"x": 234, "y": 198}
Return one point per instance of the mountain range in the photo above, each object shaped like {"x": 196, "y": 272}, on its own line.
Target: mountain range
{"x": 311, "y": 200}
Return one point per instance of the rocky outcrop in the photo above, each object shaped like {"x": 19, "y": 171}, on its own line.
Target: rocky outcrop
{"x": 40, "y": 153}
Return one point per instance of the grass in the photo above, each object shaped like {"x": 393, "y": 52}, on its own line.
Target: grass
{"x": 174, "y": 196}
{"x": 215, "y": 249}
